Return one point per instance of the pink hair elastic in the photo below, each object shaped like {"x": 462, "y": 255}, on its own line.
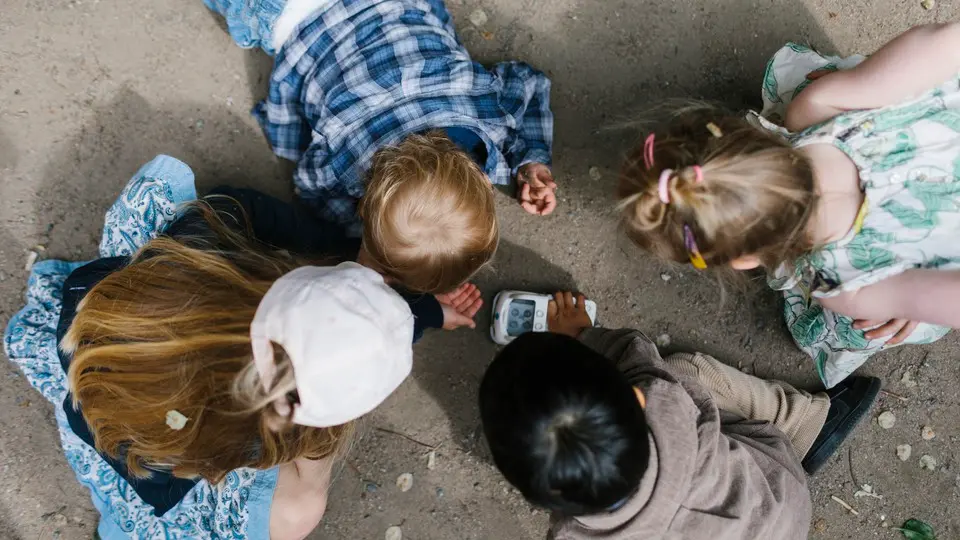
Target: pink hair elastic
{"x": 648, "y": 151}
{"x": 663, "y": 187}
{"x": 697, "y": 170}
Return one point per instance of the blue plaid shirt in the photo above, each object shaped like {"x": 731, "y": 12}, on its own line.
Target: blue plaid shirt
{"x": 364, "y": 74}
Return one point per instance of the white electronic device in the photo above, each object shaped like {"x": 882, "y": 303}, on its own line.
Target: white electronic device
{"x": 519, "y": 312}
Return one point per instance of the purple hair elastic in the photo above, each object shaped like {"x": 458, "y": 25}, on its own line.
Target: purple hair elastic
{"x": 696, "y": 259}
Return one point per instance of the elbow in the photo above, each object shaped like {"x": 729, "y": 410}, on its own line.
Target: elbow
{"x": 808, "y": 108}
{"x": 794, "y": 119}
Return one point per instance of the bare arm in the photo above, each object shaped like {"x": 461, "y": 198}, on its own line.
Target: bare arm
{"x": 923, "y": 295}
{"x": 300, "y": 498}
{"x": 911, "y": 64}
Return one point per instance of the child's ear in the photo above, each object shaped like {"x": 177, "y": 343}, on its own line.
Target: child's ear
{"x": 747, "y": 262}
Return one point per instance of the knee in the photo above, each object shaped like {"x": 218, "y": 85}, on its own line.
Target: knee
{"x": 296, "y": 519}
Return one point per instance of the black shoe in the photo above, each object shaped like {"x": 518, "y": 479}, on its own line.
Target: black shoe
{"x": 849, "y": 403}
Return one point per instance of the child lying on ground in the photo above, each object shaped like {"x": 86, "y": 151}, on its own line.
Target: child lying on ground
{"x": 593, "y": 425}
{"x": 854, "y": 212}
{"x": 377, "y": 101}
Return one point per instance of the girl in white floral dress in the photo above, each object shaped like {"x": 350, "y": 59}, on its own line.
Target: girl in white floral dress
{"x": 852, "y": 206}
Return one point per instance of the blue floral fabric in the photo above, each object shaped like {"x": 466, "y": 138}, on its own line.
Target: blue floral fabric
{"x": 236, "y": 508}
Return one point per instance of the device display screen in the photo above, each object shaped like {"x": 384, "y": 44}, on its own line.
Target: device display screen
{"x": 520, "y": 317}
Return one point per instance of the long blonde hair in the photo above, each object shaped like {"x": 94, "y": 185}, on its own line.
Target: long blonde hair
{"x": 756, "y": 196}
{"x": 171, "y": 332}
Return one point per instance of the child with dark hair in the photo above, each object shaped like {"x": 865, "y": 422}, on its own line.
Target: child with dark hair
{"x": 595, "y": 426}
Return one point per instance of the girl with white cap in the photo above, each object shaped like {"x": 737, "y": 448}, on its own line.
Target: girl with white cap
{"x": 203, "y": 383}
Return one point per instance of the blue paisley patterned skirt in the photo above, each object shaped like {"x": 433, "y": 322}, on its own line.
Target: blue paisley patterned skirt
{"x": 239, "y": 506}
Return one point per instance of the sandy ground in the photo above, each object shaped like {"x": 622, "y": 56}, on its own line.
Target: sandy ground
{"x": 91, "y": 89}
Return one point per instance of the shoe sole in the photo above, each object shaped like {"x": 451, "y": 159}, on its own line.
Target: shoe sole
{"x": 813, "y": 462}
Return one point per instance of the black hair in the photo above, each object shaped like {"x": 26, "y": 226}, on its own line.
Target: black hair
{"x": 564, "y": 425}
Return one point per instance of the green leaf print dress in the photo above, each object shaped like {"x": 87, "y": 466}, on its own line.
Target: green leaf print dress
{"x": 908, "y": 156}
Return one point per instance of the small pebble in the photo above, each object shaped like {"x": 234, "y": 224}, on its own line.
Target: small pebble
{"x": 904, "y": 451}
{"x": 927, "y": 433}
{"x": 199, "y": 124}
{"x": 907, "y": 380}
{"x": 405, "y": 482}
{"x": 665, "y": 276}
{"x": 439, "y": 493}
{"x": 663, "y": 340}
{"x": 432, "y": 460}
{"x": 393, "y": 533}
{"x": 3, "y": 275}
{"x": 595, "y": 174}
{"x": 927, "y": 4}
{"x": 371, "y": 487}
{"x": 478, "y": 17}
{"x": 886, "y": 420}
{"x": 928, "y": 462}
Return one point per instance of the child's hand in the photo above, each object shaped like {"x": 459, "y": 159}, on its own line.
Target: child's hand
{"x": 460, "y": 306}
{"x": 564, "y": 316}
{"x": 536, "y": 190}
{"x": 900, "y": 329}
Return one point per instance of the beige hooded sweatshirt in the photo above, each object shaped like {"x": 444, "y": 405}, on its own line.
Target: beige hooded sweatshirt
{"x": 712, "y": 474}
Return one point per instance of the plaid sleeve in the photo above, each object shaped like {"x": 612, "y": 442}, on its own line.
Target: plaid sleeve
{"x": 282, "y": 123}
{"x": 526, "y": 95}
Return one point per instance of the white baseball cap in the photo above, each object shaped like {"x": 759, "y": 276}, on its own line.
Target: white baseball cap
{"x": 348, "y": 335}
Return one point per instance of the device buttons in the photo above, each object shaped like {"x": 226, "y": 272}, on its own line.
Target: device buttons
{"x": 538, "y": 327}
{"x": 539, "y": 313}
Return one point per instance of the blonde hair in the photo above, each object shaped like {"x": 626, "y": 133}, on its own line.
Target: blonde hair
{"x": 755, "y": 198}
{"x": 171, "y": 332}
{"x": 429, "y": 219}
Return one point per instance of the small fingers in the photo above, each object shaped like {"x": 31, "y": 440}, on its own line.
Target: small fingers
{"x": 863, "y": 324}
{"x": 903, "y": 334}
{"x": 549, "y": 204}
{"x": 468, "y": 296}
{"x": 547, "y": 179}
{"x": 552, "y": 309}
{"x": 474, "y": 295}
{"x": 568, "y": 300}
{"x": 472, "y": 309}
{"x": 561, "y": 301}
{"x": 888, "y": 329}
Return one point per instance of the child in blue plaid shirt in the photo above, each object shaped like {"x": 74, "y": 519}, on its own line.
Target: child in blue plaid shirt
{"x": 377, "y": 100}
